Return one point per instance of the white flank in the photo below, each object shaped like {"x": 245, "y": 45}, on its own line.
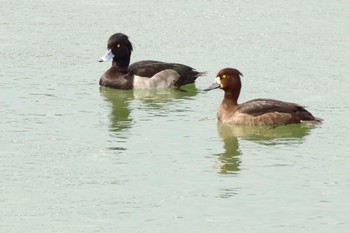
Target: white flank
{"x": 163, "y": 79}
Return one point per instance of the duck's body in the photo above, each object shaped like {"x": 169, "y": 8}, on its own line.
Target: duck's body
{"x": 142, "y": 74}
{"x": 263, "y": 112}
{"x": 257, "y": 111}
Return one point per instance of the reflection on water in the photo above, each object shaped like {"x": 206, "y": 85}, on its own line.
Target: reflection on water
{"x": 156, "y": 96}
{"x": 120, "y": 114}
{"x": 266, "y": 135}
{"x": 230, "y": 159}
{"x": 153, "y": 99}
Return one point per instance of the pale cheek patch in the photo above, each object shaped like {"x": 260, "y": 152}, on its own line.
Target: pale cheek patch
{"x": 217, "y": 79}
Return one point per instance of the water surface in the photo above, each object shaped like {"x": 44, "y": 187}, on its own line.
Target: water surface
{"x": 79, "y": 158}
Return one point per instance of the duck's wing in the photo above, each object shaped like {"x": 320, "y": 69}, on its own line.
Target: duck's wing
{"x": 259, "y": 107}
{"x": 148, "y": 68}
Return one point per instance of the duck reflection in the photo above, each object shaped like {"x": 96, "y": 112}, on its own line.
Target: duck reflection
{"x": 154, "y": 99}
{"x": 230, "y": 159}
{"x": 155, "y": 96}
{"x": 120, "y": 114}
{"x": 266, "y": 135}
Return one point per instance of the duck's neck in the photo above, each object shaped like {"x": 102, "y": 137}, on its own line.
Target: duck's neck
{"x": 121, "y": 65}
{"x": 231, "y": 98}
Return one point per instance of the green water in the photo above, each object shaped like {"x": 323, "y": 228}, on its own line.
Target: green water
{"x": 79, "y": 158}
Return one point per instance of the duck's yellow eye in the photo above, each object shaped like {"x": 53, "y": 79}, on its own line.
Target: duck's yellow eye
{"x": 118, "y": 45}
{"x": 224, "y": 76}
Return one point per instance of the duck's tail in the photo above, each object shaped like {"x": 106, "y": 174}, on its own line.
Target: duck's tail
{"x": 188, "y": 75}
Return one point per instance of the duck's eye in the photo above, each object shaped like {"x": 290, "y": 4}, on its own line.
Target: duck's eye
{"x": 223, "y": 76}
{"x": 118, "y": 45}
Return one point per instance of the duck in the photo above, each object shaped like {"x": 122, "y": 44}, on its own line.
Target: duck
{"x": 256, "y": 112}
{"x": 146, "y": 74}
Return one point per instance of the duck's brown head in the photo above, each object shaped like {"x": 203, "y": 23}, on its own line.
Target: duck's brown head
{"x": 228, "y": 79}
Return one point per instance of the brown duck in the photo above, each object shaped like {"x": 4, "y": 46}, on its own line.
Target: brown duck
{"x": 257, "y": 111}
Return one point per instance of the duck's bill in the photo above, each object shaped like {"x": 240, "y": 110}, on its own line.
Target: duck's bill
{"x": 212, "y": 87}
{"x": 107, "y": 57}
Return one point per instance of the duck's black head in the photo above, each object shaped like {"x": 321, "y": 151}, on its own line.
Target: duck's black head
{"x": 119, "y": 49}
{"x": 119, "y": 42}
